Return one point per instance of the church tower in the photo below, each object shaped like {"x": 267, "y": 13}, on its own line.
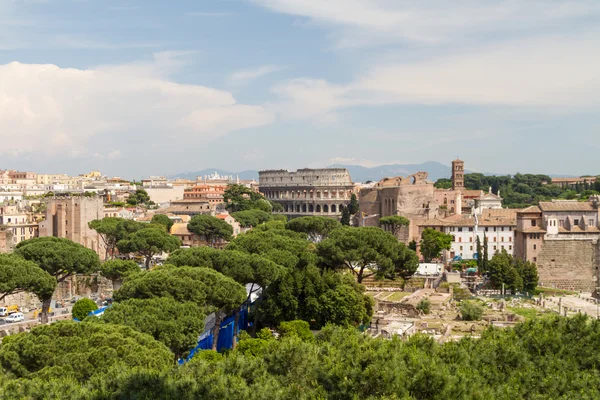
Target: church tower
{"x": 458, "y": 174}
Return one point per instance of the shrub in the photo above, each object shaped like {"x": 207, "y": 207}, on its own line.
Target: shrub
{"x": 297, "y": 328}
{"x": 471, "y": 311}
{"x": 83, "y": 307}
{"x": 424, "y": 306}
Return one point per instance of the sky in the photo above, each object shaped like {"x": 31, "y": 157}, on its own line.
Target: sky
{"x": 152, "y": 87}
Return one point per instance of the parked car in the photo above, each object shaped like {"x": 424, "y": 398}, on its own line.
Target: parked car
{"x": 16, "y": 317}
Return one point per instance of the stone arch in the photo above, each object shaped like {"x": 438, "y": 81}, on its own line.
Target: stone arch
{"x": 310, "y": 208}
{"x": 297, "y": 207}
{"x": 287, "y": 208}
{"x": 333, "y": 208}
{"x": 318, "y": 208}
{"x": 341, "y": 207}
{"x": 303, "y": 207}
{"x": 326, "y": 208}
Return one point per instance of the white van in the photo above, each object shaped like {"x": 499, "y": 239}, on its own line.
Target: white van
{"x": 16, "y": 317}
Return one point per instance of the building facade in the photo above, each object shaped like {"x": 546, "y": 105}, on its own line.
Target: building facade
{"x": 496, "y": 225}
{"x": 208, "y": 193}
{"x": 563, "y": 238}
{"x": 68, "y": 217}
{"x": 19, "y": 223}
{"x": 321, "y": 192}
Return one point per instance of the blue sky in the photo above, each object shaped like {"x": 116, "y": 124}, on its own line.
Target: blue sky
{"x": 138, "y": 88}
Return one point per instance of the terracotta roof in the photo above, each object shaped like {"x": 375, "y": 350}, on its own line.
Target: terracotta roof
{"x": 489, "y": 217}
{"x": 186, "y": 209}
{"x": 222, "y": 216}
{"x": 529, "y": 210}
{"x": 471, "y": 193}
{"x": 566, "y": 205}
{"x": 534, "y": 229}
{"x": 576, "y": 229}
{"x": 180, "y": 228}
{"x": 582, "y": 179}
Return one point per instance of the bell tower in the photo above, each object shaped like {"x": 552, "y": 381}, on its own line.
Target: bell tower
{"x": 458, "y": 174}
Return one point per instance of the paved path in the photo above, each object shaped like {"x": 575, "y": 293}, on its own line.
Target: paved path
{"x": 575, "y": 304}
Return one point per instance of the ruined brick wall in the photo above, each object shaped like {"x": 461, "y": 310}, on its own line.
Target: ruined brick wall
{"x": 569, "y": 264}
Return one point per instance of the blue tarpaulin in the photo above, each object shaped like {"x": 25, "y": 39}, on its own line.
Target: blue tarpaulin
{"x": 225, "y": 334}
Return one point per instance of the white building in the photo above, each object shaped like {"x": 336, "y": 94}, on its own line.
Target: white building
{"x": 496, "y": 224}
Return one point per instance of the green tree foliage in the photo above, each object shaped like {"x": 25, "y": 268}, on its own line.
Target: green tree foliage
{"x": 318, "y": 297}
{"x": 149, "y": 242}
{"x": 424, "y": 306}
{"x": 19, "y": 275}
{"x": 140, "y": 197}
{"x": 394, "y": 223}
{"x": 316, "y": 228}
{"x": 471, "y": 310}
{"x": 176, "y": 325}
{"x": 244, "y": 268}
{"x": 297, "y": 328}
{"x": 80, "y": 351}
{"x": 516, "y": 274}
{"x": 366, "y": 251}
{"x": 162, "y": 219}
{"x": 241, "y": 198}
{"x": 210, "y": 228}
{"x": 83, "y": 307}
{"x": 116, "y": 270}
{"x": 547, "y": 358}
{"x": 443, "y": 183}
{"x": 486, "y": 259}
{"x": 345, "y": 218}
{"x": 251, "y": 218}
{"x": 203, "y": 286}
{"x": 61, "y": 258}
{"x": 522, "y": 190}
{"x": 281, "y": 246}
{"x": 433, "y": 242}
{"x": 353, "y": 206}
{"x": 108, "y": 230}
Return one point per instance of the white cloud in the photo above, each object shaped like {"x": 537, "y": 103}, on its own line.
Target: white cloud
{"x": 245, "y": 76}
{"x": 48, "y": 110}
{"x": 549, "y": 72}
{"x": 366, "y": 21}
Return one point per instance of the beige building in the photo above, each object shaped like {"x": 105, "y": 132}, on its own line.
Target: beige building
{"x": 189, "y": 239}
{"x": 19, "y": 223}
{"x": 563, "y": 238}
{"x": 68, "y": 217}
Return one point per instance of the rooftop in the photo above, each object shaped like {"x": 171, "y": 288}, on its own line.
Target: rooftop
{"x": 566, "y": 205}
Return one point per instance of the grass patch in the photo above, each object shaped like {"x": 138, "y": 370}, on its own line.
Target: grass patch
{"x": 527, "y": 313}
{"x": 553, "y": 292}
{"x": 397, "y": 296}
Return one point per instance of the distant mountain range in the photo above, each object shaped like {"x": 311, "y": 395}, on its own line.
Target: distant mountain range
{"x": 358, "y": 173}
{"x": 244, "y": 175}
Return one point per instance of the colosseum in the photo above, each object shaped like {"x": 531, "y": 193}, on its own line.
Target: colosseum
{"x": 308, "y": 191}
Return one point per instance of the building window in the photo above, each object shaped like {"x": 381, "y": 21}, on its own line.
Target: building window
{"x": 471, "y": 229}
{"x": 561, "y": 223}
{"x": 461, "y": 248}
{"x": 460, "y": 229}
{"x": 591, "y": 222}
{"x": 534, "y": 259}
{"x": 494, "y": 229}
{"x": 510, "y": 247}
{"x": 502, "y": 247}
{"x": 502, "y": 239}
{"x": 487, "y": 229}
{"x": 471, "y": 248}
{"x": 533, "y": 222}
{"x": 510, "y": 238}
{"x": 575, "y": 222}
{"x": 495, "y": 248}
{"x": 470, "y": 239}
{"x": 535, "y": 246}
